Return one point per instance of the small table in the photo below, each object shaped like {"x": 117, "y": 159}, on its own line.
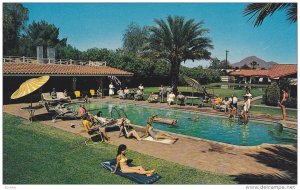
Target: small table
{"x": 31, "y": 110}
{"x": 192, "y": 98}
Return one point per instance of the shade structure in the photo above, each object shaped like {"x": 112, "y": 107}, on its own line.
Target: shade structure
{"x": 193, "y": 83}
{"x": 29, "y": 86}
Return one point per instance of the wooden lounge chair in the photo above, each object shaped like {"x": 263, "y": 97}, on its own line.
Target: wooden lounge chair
{"x": 64, "y": 113}
{"x": 48, "y": 99}
{"x": 62, "y": 97}
{"x": 153, "y": 98}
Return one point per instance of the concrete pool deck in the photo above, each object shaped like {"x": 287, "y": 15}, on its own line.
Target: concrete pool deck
{"x": 274, "y": 163}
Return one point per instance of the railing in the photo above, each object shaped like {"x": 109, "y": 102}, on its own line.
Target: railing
{"x": 18, "y": 59}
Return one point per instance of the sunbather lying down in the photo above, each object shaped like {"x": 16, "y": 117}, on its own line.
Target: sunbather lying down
{"x": 149, "y": 131}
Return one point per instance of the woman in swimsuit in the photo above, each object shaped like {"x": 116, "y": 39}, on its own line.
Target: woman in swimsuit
{"x": 157, "y": 134}
{"x": 122, "y": 160}
{"x": 127, "y": 132}
{"x": 283, "y": 103}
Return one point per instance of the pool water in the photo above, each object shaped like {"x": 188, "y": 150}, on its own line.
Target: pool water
{"x": 201, "y": 125}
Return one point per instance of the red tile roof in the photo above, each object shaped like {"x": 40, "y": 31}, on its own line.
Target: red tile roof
{"x": 56, "y": 69}
{"x": 278, "y": 70}
{"x": 248, "y": 73}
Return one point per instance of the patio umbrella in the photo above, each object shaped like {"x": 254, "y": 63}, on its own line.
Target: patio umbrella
{"x": 29, "y": 86}
{"x": 193, "y": 83}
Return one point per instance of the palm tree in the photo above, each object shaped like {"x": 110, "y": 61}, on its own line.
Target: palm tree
{"x": 254, "y": 64}
{"x": 176, "y": 40}
{"x": 262, "y": 10}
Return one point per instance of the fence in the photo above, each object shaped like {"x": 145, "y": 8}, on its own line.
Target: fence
{"x": 17, "y": 59}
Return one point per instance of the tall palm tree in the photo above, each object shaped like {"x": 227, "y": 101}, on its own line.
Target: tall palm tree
{"x": 262, "y": 10}
{"x": 176, "y": 40}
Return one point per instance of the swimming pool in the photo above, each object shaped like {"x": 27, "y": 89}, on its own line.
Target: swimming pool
{"x": 216, "y": 128}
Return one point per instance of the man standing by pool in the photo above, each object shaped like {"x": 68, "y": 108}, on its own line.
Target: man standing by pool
{"x": 234, "y": 100}
{"x": 161, "y": 93}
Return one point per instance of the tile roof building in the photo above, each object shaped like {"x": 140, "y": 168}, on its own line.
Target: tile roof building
{"x": 25, "y": 69}
{"x": 62, "y": 76}
{"x": 277, "y": 71}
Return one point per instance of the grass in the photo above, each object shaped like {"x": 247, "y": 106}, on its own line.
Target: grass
{"x": 273, "y": 111}
{"x": 34, "y": 153}
{"x": 213, "y": 90}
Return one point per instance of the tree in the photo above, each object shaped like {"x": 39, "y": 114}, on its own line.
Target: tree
{"x": 260, "y": 11}
{"x": 43, "y": 34}
{"x": 14, "y": 19}
{"x": 254, "y": 64}
{"x": 245, "y": 66}
{"x": 272, "y": 94}
{"x": 176, "y": 41}
{"x": 215, "y": 63}
{"x": 135, "y": 38}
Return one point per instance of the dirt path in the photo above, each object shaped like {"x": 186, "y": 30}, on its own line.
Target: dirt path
{"x": 259, "y": 162}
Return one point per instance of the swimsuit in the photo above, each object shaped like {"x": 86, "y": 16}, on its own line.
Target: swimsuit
{"x": 152, "y": 132}
{"x": 123, "y": 162}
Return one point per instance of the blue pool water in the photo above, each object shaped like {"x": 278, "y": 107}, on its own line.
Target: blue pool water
{"x": 200, "y": 125}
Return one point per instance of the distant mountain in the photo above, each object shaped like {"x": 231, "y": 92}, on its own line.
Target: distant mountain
{"x": 248, "y": 60}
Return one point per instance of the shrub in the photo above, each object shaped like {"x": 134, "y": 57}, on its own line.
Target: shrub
{"x": 292, "y": 102}
{"x": 272, "y": 94}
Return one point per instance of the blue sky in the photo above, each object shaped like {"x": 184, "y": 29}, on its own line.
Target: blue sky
{"x": 101, "y": 25}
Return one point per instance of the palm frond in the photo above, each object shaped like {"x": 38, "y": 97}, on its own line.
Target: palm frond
{"x": 260, "y": 11}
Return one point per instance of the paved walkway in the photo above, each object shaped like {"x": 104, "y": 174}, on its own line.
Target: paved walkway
{"x": 254, "y": 162}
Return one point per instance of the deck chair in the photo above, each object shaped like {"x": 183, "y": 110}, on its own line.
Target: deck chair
{"x": 64, "y": 113}
{"x": 47, "y": 98}
{"x": 62, "y": 97}
{"x": 153, "y": 98}
{"x": 93, "y": 93}
{"x": 78, "y": 94}
{"x": 93, "y": 137}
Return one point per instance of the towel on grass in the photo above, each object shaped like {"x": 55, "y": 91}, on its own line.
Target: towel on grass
{"x": 139, "y": 178}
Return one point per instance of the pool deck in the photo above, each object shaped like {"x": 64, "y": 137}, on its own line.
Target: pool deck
{"x": 274, "y": 163}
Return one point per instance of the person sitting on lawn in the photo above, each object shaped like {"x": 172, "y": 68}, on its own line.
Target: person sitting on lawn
{"x": 138, "y": 95}
{"x": 128, "y": 131}
{"x": 91, "y": 129}
{"x": 122, "y": 160}
{"x": 149, "y": 131}
{"x": 82, "y": 110}
{"x": 217, "y": 102}
{"x": 181, "y": 98}
{"x": 171, "y": 98}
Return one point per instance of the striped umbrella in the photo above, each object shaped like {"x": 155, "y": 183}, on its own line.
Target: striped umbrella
{"x": 193, "y": 83}
{"x": 29, "y": 86}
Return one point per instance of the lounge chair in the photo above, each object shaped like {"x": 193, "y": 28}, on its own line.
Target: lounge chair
{"x": 93, "y": 93}
{"x": 121, "y": 94}
{"x": 94, "y": 136}
{"x": 62, "y": 97}
{"x": 78, "y": 94}
{"x": 153, "y": 98}
{"x": 46, "y": 98}
{"x": 64, "y": 113}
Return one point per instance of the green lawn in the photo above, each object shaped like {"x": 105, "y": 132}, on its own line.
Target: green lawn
{"x": 213, "y": 90}
{"x": 34, "y": 153}
{"x": 273, "y": 111}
